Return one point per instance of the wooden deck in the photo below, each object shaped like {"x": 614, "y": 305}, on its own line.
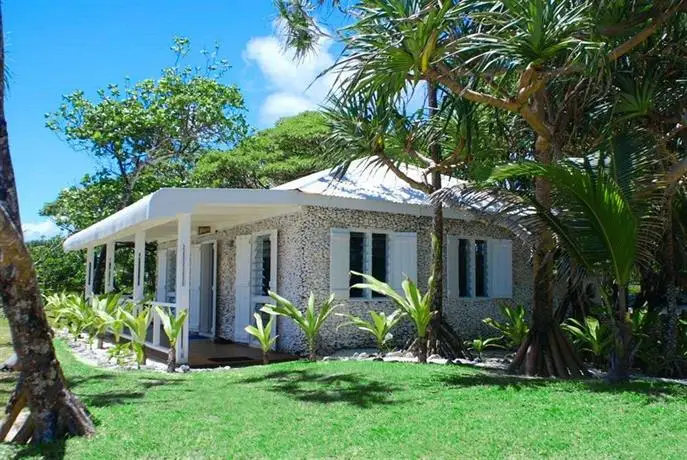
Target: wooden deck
{"x": 204, "y": 353}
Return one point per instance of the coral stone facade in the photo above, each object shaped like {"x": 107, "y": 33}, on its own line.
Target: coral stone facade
{"x": 303, "y": 266}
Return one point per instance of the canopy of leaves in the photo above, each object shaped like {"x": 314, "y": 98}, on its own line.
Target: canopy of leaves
{"x": 57, "y": 271}
{"x": 291, "y": 149}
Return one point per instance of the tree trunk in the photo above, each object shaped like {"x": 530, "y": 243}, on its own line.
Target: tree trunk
{"x": 265, "y": 358}
{"x": 55, "y": 411}
{"x": 546, "y": 351}
{"x": 670, "y": 278}
{"x": 172, "y": 359}
{"x": 620, "y": 363}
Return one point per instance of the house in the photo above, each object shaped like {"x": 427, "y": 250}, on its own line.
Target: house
{"x": 219, "y": 251}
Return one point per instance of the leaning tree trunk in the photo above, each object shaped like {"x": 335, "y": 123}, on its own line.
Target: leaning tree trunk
{"x": 55, "y": 411}
{"x": 545, "y": 351}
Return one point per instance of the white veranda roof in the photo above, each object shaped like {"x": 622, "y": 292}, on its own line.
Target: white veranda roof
{"x": 364, "y": 186}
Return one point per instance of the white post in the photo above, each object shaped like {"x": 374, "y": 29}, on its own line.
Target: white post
{"x": 183, "y": 289}
{"x": 109, "y": 266}
{"x": 161, "y": 295}
{"x": 90, "y": 266}
{"x": 139, "y": 265}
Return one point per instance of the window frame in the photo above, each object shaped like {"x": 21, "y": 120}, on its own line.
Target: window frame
{"x": 472, "y": 267}
{"x": 367, "y": 260}
{"x": 255, "y": 298}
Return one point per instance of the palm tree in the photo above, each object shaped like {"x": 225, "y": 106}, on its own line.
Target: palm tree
{"x": 605, "y": 212}
{"x": 55, "y": 411}
{"x": 538, "y": 60}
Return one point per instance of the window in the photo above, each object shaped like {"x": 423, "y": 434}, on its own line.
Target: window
{"x": 261, "y": 265}
{"x": 480, "y": 268}
{"x": 472, "y": 268}
{"x": 368, "y": 253}
{"x": 171, "y": 276}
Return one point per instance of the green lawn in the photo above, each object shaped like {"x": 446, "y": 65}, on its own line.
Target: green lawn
{"x": 366, "y": 410}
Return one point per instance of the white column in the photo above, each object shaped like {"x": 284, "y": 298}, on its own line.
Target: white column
{"x": 90, "y": 267}
{"x": 109, "y": 266}
{"x": 161, "y": 295}
{"x": 183, "y": 289}
{"x": 139, "y": 265}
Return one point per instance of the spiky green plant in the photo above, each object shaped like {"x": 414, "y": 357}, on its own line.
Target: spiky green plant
{"x": 105, "y": 315}
{"x": 591, "y": 336}
{"x": 309, "y": 322}
{"x": 479, "y": 345}
{"x": 172, "y": 325}
{"x": 380, "y": 326}
{"x": 138, "y": 326}
{"x": 413, "y": 303}
{"x": 263, "y": 335}
{"x": 514, "y": 327}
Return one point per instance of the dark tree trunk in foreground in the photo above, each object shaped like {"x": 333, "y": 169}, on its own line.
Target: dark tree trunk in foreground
{"x": 546, "y": 351}
{"x": 55, "y": 411}
{"x": 621, "y": 356}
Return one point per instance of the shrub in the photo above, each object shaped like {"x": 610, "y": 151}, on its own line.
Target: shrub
{"x": 591, "y": 336}
{"x": 310, "y": 322}
{"x": 172, "y": 325}
{"x": 71, "y": 311}
{"x": 380, "y": 326}
{"x": 514, "y": 328}
{"x": 138, "y": 326}
{"x": 104, "y": 314}
{"x": 479, "y": 345}
{"x": 418, "y": 307}
{"x": 263, "y": 335}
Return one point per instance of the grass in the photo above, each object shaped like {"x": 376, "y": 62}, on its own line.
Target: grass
{"x": 365, "y": 410}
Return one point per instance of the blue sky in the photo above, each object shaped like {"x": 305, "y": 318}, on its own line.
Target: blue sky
{"x": 54, "y": 48}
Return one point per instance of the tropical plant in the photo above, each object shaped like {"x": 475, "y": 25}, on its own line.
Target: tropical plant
{"x": 172, "y": 325}
{"x": 418, "y": 307}
{"x": 105, "y": 315}
{"x": 380, "y": 326}
{"x": 263, "y": 334}
{"x": 479, "y": 345}
{"x": 71, "y": 311}
{"x": 610, "y": 225}
{"x": 309, "y": 322}
{"x": 591, "y": 336}
{"x": 515, "y": 326}
{"x": 138, "y": 324}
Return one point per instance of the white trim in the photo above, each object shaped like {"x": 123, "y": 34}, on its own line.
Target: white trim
{"x": 471, "y": 268}
{"x": 164, "y": 205}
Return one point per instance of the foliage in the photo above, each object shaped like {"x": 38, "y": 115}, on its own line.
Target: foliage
{"x": 138, "y": 323}
{"x": 71, "y": 311}
{"x": 380, "y": 326}
{"x": 418, "y": 307}
{"x": 514, "y": 327}
{"x": 57, "y": 270}
{"x": 172, "y": 324}
{"x": 591, "y": 335}
{"x": 263, "y": 334}
{"x": 310, "y": 323}
{"x": 106, "y": 313}
{"x": 293, "y": 148}
{"x": 479, "y": 345}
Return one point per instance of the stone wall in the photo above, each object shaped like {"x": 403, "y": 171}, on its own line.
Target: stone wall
{"x": 303, "y": 266}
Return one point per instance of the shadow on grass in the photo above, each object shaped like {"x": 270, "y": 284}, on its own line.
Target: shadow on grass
{"x": 311, "y": 386}
{"x": 114, "y": 397}
{"x": 53, "y": 451}
{"x": 655, "y": 391}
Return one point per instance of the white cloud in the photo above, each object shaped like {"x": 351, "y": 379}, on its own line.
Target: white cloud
{"x": 39, "y": 230}
{"x": 293, "y": 85}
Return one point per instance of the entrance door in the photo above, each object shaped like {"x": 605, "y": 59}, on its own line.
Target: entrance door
{"x": 194, "y": 301}
{"x": 208, "y": 278}
{"x": 256, "y": 274}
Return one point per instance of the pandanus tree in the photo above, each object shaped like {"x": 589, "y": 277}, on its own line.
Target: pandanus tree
{"x": 381, "y": 126}
{"x": 42, "y": 387}
{"x": 606, "y": 213}
{"x": 536, "y": 60}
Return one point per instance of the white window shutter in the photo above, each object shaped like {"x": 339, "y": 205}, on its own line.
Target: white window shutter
{"x": 161, "y": 277}
{"x": 274, "y": 256}
{"x": 403, "y": 258}
{"x": 452, "y": 267}
{"x": 339, "y": 263}
{"x": 242, "y": 307}
{"x": 500, "y": 260}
